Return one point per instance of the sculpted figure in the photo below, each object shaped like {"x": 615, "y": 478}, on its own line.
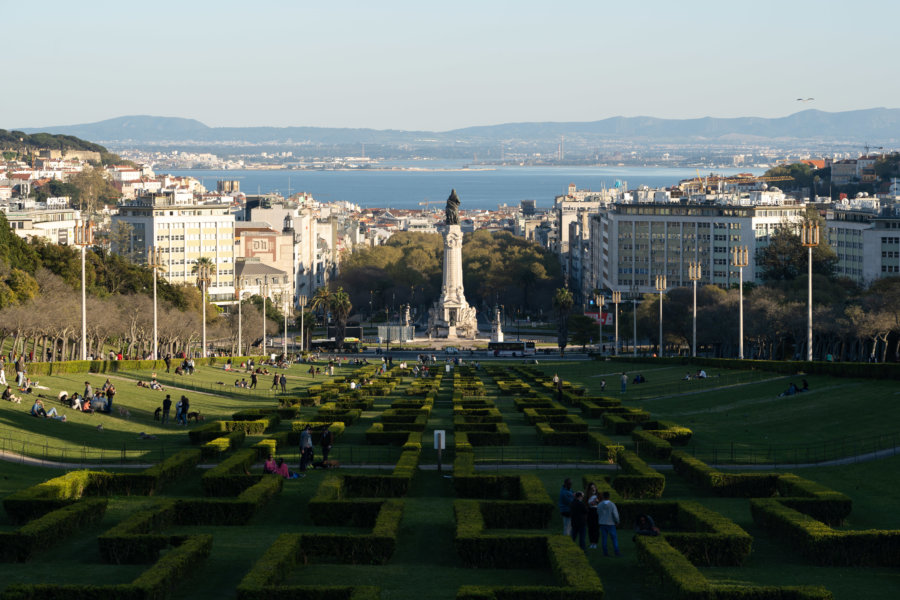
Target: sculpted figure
{"x": 452, "y": 210}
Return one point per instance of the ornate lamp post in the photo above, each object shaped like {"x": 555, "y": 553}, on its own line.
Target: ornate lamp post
{"x": 84, "y": 237}
{"x": 634, "y": 303}
{"x": 740, "y": 259}
{"x": 599, "y": 300}
{"x": 616, "y": 298}
{"x": 661, "y": 288}
{"x": 153, "y": 261}
{"x": 809, "y": 237}
{"x": 203, "y": 278}
{"x": 301, "y": 301}
{"x": 264, "y": 292}
{"x": 695, "y": 273}
{"x": 238, "y": 291}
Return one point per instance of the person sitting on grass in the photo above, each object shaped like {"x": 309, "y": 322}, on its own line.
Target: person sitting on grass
{"x": 269, "y": 467}
{"x": 282, "y": 469}
{"x": 645, "y": 526}
{"x": 86, "y": 405}
{"x": 75, "y": 401}
{"x": 8, "y": 395}
{"x": 99, "y": 403}
{"x": 37, "y": 410}
{"x": 154, "y": 385}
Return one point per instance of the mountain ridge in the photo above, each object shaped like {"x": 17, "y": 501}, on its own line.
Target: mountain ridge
{"x": 881, "y": 124}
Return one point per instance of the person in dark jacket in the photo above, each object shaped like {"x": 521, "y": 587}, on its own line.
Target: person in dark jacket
{"x": 579, "y": 512}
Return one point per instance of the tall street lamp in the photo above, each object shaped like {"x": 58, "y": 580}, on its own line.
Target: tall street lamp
{"x": 695, "y": 273}
{"x": 238, "y": 291}
{"x": 661, "y": 288}
{"x": 616, "y": 298}
{"x": 84, "y": 237}
{"x": 155, "y": 264}
{"x": 740, "y": 259}
{"x": 809, "y": 237}
{"x": 634, "y": 303}
{"x": 286, "y": 306}
{"x": 203, "y": 278}
{"x": 301, "y": 300}
{"x": 264, "y": 291}
{"x": 598, "y": 299}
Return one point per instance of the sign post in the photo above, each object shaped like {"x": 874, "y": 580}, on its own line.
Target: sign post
{"x": 440, "y": 437}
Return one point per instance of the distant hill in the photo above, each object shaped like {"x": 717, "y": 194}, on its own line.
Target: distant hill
{"x": 881, "y": 125}
{"x": 19, "y": 140}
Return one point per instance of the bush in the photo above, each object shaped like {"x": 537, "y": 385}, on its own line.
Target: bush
{"x": 735, "y": 485}
{"x": 46, "y": 531}
{"x": 650, "y": 446}
{"x": 638, "y": 480}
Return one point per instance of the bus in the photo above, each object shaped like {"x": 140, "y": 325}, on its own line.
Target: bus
{"x": 511, "y": 349}
{"x": 350, "y": 345}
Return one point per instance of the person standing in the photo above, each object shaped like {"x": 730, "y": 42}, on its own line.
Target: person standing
{"x": 88, "y": 390}
{"x": 565, "y": 505}
{"x": 579, "y": 512}
{"x": 306, "y": 448}
{"x": 592, "y": 497}
{"x": 327, "y": 441}
{"x": 608, "y": 518}
{"x": 624, "y": 381}
{"x": 274, "y": 382}
{"x": 283, "y": 382}
{"x": 110, "y": 394}
{"x": 178, "y": 412}
{"x": 168, "y": 361}
{"x": 185, "y": 407}
{"x": 253, "y": 380}
{"x": 167, "y": 404}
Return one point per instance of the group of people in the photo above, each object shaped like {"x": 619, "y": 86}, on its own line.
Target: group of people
{"x": 181, "y": 410}
{"x": 793, "y": 389}
{"x": 90, "y": 400}
{"x": 700, "y": 374}
{"x": 307, "y": 449}
{"x": 592, "y": 513}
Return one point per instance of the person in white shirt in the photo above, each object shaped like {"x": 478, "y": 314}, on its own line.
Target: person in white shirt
{"x": 608, "y": 517}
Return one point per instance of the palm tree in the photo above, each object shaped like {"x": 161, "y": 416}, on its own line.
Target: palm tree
{"x": 562, "y": 304}
{"x": 203, "y": 268}
{"x": 320, "y": 301}
{"x": 340, "y": 306}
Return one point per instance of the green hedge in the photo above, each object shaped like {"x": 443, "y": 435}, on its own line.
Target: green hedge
{"x": 683, "y": 581}
{"x": 637, "y": 479}
{"x": 383, "y": 486}
{"x": 734, "y": 485}
{"x": 159, "y": 582}
{"x": 229, "y": 477}
{"x": 648, "y": 445}
{"x": 50, "y": 529}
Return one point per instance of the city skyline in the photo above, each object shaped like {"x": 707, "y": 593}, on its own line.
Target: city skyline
{"x": 405, "y": 66}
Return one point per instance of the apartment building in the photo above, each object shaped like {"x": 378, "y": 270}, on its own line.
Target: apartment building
{"x": 630, "y": 244}
{"x": 184, "y": 231}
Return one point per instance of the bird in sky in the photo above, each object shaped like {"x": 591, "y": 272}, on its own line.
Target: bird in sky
{"x": 805, "y": 99}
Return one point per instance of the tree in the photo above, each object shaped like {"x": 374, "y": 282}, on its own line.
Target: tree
{"x": 785, "y": 258}
{"x": 340, "y": 306}
{"x": 320, "y": 301}
{"x": 562, "y": 304}
{"x": 583, "y": 329}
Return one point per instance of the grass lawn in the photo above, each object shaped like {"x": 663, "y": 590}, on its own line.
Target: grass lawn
{"x": 738, "y": 406}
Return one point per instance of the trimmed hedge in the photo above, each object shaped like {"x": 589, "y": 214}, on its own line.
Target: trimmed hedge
{"x": 734, "y": 485}
{"x": 159, "y": 582}
{"x": 637, "y": 479}
{"x": 683, "y": 581}
{"x": 229, "y": 477}
{"x": 649, "y": 445}
{"x": 383, "y": 486}
{"x": 46, "y": 531}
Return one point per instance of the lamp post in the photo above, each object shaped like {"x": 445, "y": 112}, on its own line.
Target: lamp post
{"x": 809, "y": 237}
{"x": 616, "y": 298}
{"x": 203, "y": 277}
{"x": 634, "y": 303}
{"x": 286, "y": 306}
{"x": 237, "y": 292}
{"x": 695, "y": 273}
{"x": 264, "y": 291}
{"x": 84, "y": 237}
{"x": 301, "y": 300}
{"x": 740, "y": 259}
{"x": 598, "y": 299}
{"x": 661, "y": 288}
{"x": 155, "y": 264}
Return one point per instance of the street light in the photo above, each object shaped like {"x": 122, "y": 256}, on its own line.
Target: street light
{"x": 301, "y": 300}
{"x": 264, "y": 291}
{"x": 203, "y": 278}
{"x": 634, "y": 303}
{"x": 661, "y": 288}
{"x": 740, "y": 259}
{"x": 617, "y": 298}
{"x": 598, "y": 298}
{"x": 153, "y": 261}
{"x": 286, "y": 304}
{"x": 809, "y": 237}
{"x": 84, "y": 237}
{"x": 238, "y": 292}
{"x": 695, "y": 273}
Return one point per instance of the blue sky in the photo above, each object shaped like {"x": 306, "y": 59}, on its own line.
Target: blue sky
{"x": 441, "y": 65}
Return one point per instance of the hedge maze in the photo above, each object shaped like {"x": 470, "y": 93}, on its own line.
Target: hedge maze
{"x": 172, "y": 521}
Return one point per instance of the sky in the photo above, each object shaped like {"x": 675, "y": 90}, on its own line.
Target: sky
{"x": 441, "y": 65}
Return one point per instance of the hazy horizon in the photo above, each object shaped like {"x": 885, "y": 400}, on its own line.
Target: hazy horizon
{"x": 408, "y": 66}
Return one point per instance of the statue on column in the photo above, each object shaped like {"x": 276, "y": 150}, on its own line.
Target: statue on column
{"x": 452, "y": 210}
